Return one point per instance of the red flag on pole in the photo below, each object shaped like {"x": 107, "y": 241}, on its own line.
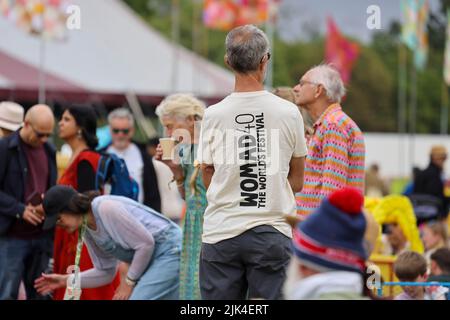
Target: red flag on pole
{"x": 340, "y": 52}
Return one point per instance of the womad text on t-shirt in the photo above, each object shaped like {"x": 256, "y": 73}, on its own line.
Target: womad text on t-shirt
{"x": 252, "y": 158}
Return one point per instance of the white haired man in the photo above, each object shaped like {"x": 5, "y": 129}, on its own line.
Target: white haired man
{"x": 139, "y": 163}
{"x": 246, "y": 241}
{"x": 336, "y": 150}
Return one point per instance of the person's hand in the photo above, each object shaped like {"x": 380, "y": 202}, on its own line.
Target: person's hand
{"x": 123, "y": 292}
{"x": 32, "y": 216}
{"x": 40, "y": 210}
{"x": 50, "y": 282}
{"x": 176, "y": 168}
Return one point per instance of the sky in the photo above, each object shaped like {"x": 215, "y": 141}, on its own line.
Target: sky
{"x": 350, "y": 16}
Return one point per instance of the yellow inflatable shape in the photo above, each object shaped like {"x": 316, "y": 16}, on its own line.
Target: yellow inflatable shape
{"x": 399, "y": 210}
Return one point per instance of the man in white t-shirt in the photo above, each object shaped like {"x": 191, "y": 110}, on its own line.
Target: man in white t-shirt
{"x": 252, "y": 150}
{"x": 139, "y": 163}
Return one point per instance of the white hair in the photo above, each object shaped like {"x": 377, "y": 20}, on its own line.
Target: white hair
{"x": 121, "y": 113}
{"x": 330, "y": 79}
{"x": 181, "y": 105}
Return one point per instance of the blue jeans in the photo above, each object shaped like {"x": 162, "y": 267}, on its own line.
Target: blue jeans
{"x": 161, "y": 279}
{"x": 23, "y": 260}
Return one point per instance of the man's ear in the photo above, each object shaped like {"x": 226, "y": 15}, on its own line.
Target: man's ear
{"x": 225, "y": 59}
{"x": 424, "y": 277}
{"x": 319, "y": 90}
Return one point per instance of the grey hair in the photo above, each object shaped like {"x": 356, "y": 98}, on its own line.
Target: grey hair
{"x": 245, "y": 48}
{"x": 329, "y": 77}
{"x": 121, "y": 113}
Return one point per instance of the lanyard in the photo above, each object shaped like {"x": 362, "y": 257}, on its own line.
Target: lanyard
{"x": 73, "y": 290}
{"x": 81, "y": 233}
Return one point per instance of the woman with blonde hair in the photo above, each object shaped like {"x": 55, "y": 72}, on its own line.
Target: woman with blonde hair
{"x": 181, "y": 114}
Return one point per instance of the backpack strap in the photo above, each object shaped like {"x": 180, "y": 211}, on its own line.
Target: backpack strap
{"x": 102, "y": 171}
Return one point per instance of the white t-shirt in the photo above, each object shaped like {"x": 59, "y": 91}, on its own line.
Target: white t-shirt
{"x": 171, "y": 200}
{"x": 250, "y": 138}
{"x": 135, "y": 164}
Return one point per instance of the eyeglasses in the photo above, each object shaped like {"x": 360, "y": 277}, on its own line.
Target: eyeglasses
{"x": 303, "y": 82}
{"x": 41, "y": 135}
{"x": 117, "y": 131}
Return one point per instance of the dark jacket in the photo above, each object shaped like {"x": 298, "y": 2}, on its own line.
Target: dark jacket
{"x": 441, "y": 278}
{"x": 152, "y": 197}
{"x": 13, "y": 177}
{"x": 429, "y": 181}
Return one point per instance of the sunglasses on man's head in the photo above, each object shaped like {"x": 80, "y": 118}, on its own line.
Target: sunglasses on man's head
{"x": 117, "y": 131}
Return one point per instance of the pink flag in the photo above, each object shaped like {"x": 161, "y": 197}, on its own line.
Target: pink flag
{"x": 340, "y": 52}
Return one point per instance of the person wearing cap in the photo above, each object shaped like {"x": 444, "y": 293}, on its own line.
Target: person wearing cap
{"x": 116, "y": 229}
{"x": 330, "y": 251}
{"x": 77, "y": 128}
{"x": 11, "y": 118}
{"x": 27, "y": 170}
{"x": 430, "y": 181}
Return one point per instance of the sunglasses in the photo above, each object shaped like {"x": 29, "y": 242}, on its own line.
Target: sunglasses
{"x": 117, "y": 131}
{"x": 41, "y": 135}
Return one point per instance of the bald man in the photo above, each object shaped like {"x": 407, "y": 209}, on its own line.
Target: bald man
{"x": 27, "y": 170}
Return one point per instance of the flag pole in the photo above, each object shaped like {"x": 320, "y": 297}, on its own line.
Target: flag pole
{"x": 402, "y": 67}
{"x": 270, "y": 35}
{"x": 175, "y": 42}
{"x": 195, "y": 41}
{"x": 444, "y": 109}
{"x": 413, "y": 115}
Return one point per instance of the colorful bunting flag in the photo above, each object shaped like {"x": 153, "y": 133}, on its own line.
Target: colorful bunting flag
{"x": 409, "y": 26}
{"x": 219, "y": 15}
{"x": 414, "y": 29}
{"x": 421, "y": 52}
{"x": 46, "y": 18}
{"x": 227, "y": 14}
{"x": 340, "y": 52}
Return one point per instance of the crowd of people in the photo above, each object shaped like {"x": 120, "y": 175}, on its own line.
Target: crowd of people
{"x": 273, "y": 202}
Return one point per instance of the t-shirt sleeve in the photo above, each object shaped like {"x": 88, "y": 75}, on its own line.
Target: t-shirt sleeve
{"x": 204, "y": 152}
{"x": 300, "y": 148}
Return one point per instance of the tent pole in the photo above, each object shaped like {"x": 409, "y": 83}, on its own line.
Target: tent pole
{"x": 42, "y": 84}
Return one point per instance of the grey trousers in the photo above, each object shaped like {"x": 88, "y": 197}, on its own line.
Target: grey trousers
{"x": 249, "y": 266}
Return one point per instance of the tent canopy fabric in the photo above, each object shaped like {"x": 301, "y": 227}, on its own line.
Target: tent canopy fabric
{"x": 114, "y": 52}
